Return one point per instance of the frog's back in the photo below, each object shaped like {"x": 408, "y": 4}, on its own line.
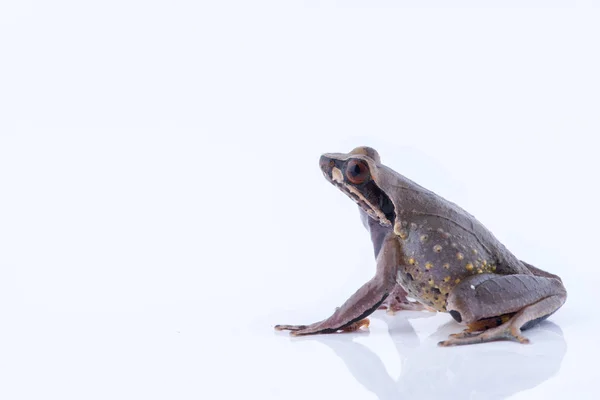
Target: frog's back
{"x": 459, "y": 236}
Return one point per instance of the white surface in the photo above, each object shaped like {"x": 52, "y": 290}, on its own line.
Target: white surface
{"x": 161, "y": 205}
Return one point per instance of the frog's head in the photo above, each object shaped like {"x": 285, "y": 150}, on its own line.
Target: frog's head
{"x": 360, "y": 175}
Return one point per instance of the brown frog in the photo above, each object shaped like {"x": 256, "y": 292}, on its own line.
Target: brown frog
{"x": 429, "y": 249}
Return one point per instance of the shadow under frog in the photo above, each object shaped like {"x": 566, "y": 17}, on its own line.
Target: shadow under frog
{"x": 427, "y": 373}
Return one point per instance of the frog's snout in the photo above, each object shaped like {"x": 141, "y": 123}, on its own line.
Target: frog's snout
{"x": 326, "y": 165}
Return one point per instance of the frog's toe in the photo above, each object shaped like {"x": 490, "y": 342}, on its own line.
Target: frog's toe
{"x": 515, "y": 335}
{"x": 466, "y": 333}
{"x": 289, "y": 327}
{"x": 324, "y": 328}
{"x": 356, "y": 325}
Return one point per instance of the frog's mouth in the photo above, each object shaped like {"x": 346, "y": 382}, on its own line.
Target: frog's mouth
{"x": 368, "y": 196}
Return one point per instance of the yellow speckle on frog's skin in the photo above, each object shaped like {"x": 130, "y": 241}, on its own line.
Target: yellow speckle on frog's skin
{"x": 480, "y": 271}
{"x": 411, "y": 261}
{"x": 424, "y": 238}
{"x": 430, "y": 281}
{"x": 428, "y": 265}
{"x": 447, "y": 279}
{"x": 484, "y": 263}
{"x": 397, "y": 228}
{"x": 437, "y": 248}
{"x": 460, "y": 255}
{"x": 447, "y": 266}
{"x": 457, "y": 280}
{"x": 493, "y": 268}
{"x": 469, "y": 267}
{"x": 474, "y": 251}
{"x": 403, "y": 233}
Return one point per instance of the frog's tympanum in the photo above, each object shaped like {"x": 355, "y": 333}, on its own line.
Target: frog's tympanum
{"x": 431, "y": 250}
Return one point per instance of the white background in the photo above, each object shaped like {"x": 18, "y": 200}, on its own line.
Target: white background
{"x": 161, "y": 205}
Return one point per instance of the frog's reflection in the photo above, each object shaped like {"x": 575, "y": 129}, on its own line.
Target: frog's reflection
{"x": 428, "y": 371}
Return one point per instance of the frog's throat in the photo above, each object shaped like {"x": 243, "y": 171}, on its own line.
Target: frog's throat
{"x": 373, "y": 210}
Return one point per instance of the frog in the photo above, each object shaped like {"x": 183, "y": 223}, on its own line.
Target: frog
{"x": 430, "y": 254}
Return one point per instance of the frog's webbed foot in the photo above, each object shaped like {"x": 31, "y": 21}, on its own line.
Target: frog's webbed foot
{"x": 397, "y": 301}
{"x": 499, "y": 307}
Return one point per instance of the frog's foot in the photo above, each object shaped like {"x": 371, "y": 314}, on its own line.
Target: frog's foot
{"x": 299, "y": 330}
{"x": 397, "y": 301}
{"x": 499, "y": 307}
{"x": 506, "y": 331}
{"x": 460, "y": 335}
{"x": 477, "y": 327}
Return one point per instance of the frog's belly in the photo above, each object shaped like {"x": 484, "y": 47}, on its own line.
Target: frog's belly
{"x": 431, "y": 283}
{"x": 436, "y": 261}
{"x": 429, "y": 294}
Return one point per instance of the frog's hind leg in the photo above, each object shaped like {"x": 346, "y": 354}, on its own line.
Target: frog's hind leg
{"x": 497, "y": 307}
{"x": 397, "y": 301}
{"x": 475, "y": 328}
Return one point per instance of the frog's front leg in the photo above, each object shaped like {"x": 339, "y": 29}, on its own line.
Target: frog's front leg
{"x": 351, "y": 315}
{"x": 497, "y": 307}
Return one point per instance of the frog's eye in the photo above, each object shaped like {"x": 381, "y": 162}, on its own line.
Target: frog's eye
{"x": 357, "y": 171}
